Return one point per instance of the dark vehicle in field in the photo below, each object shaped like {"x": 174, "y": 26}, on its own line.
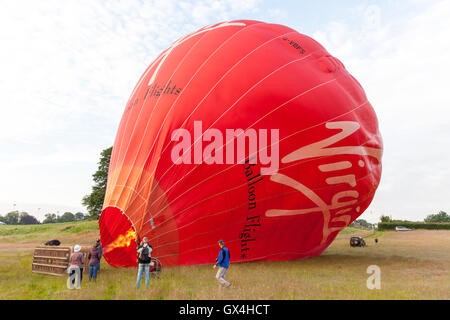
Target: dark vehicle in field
{"x": 357, "y": 242}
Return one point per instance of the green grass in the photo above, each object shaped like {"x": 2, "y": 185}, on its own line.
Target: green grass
{"x": 46, "y": 231}
{"x": 350, "y": 230}
{"x": 414, "y": 265}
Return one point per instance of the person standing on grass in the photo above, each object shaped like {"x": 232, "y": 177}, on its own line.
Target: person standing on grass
{"x": 223, "y": 262}
{"x": 144, "y": 258}
{"x": 76, "y": 264}
{"x": 94, "y": 256}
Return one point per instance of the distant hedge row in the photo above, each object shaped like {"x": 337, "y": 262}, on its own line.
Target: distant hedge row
{"x": 414, "y": 225}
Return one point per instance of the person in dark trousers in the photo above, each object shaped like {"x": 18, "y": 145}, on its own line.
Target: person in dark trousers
{"x": 94, "y": 256}
{"x": 144, "y": 258}
{"x": 223, "y": 262}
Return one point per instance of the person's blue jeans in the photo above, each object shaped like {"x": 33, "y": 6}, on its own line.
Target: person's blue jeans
{"x": 143, "y": 267}
{"x": 93, "y": 269}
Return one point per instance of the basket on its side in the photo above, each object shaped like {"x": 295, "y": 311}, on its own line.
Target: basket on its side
{"x": 51, "y": 260}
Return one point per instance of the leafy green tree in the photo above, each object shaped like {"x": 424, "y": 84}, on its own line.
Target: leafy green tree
{"x": 11, "y": 217}
{"x": 384, "y": 218}
{"x": 50, "y": 218}
{"x": 25, "y": 218}
{"x": 66, "y": 217}
{"x": 94, "y": 201}
{"x": 442, "y": 216}
{"x": 79, "y": 216}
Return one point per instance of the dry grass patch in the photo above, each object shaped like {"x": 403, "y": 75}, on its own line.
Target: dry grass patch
{"x": 414, "y": 265}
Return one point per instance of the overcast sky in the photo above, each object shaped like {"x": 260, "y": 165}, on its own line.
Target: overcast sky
{"x": 67, "y": 69}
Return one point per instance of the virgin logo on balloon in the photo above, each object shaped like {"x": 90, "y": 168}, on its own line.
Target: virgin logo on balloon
{"x": 322, "y": 148}
{"x": 244, "y": 131}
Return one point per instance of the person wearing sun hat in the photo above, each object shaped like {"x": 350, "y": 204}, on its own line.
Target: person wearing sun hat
{"x": 76, "y": 261}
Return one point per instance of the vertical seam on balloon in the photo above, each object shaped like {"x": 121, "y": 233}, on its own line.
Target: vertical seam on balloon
{"x": 125, "y": 186}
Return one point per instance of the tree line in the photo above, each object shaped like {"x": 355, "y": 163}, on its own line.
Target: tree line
{"x": 441, "y": 216}
{"x": 22, "y": 218}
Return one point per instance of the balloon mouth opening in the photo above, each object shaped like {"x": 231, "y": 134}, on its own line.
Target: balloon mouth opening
{"x": 118, "y": 238}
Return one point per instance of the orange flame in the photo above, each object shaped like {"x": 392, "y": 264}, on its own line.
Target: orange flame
{"x": 121, "y": 241}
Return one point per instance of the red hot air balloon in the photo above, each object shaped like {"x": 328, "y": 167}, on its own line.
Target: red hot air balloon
{"x": 243, "y": 131}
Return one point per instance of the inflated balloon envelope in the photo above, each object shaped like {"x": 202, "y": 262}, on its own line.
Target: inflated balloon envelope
{"x": 178, "y": 177}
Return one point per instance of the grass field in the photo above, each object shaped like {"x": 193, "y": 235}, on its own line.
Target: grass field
{"x": 414, "y": 265}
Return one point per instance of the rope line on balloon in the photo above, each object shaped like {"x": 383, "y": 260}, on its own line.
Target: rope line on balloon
{"x": 133, "y": 189}
{"x": 151, "y": 175}
{"x": 246, "y": 202}
{"x": 214, "y": 52}
{"x": 370, "y": 194}
{"x": 184, "y": 176}
{"x": 297, "y": 132}
{"x": 254, "y": 86}
{"x": 142, "y": 137}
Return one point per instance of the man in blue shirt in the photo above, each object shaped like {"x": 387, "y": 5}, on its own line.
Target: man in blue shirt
{"x": 223, "y": 262}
